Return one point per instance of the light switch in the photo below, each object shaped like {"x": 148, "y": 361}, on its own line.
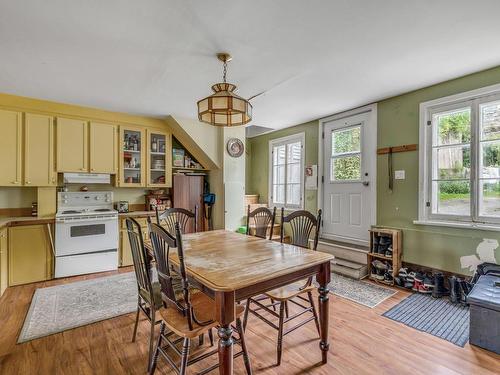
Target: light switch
{"x": 399, "y": 175}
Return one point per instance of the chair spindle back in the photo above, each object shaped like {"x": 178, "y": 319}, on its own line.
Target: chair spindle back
{"x": 262, "y": 218}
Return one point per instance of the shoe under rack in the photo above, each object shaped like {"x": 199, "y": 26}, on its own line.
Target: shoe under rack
{"x": 384, "y": 257}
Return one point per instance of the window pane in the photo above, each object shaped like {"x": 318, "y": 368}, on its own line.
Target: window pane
{"x": 347, "y": 140}
{"x": 453, "y": 127}
{"x": 490, "y": 121}
{"x": 490, "y": 156}
{"x": 279, "y": 174}
{"x": 490, "y": 200}
{"x": 293, "y": 173}
{"x": 452, "y": 162}
{"x": 346, "y": 168}
{"x": 453, "y": 197}
{"x": 293, "y": 194}
{"x": 279, "y": 194}
{"x": 294, "y": 152}
{"x": 279, "y": 155}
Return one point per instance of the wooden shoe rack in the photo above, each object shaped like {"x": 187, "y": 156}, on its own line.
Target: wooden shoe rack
{"x": 395, "y": 260}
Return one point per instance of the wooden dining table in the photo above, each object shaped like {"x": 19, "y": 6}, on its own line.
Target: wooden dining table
{"x": 231, "y": 267}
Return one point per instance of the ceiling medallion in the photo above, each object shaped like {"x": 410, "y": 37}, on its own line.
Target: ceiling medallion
{"x": 224, "y": 107}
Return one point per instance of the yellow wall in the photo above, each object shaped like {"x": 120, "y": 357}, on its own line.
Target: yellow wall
{"x": 17, "y": 197}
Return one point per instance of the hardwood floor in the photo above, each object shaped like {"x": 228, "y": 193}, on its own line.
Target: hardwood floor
{"x": 362, "y": 342}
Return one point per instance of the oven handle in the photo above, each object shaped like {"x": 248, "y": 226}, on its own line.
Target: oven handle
{"x": 83, "y": 220}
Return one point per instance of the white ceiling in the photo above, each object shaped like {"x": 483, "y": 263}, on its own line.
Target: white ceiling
{"x": 313, "y": 57}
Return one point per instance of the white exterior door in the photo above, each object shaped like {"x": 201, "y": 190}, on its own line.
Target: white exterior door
{"x": 349, "y": 187}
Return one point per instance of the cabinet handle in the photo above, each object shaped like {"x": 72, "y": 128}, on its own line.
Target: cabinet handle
{"x": 15, "y": 182}
{"x": 82, "y": 169}
{"x": 92, "y": 169}
{"x": 28, "y": 182}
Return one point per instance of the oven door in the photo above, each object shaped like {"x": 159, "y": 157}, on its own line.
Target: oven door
{"x": 79, "y": 236}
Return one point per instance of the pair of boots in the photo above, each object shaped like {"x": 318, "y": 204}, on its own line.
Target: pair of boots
{"x": 459, "y": 289}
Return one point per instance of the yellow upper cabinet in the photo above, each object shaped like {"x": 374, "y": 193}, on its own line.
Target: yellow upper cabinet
{"x": 103, "y": 148}
{"x": 132, "y": 157}
{"x": 39, "y": 168}
{"x": 159, "y": 162}
{"x": 72, "y": 145}
{"x": 10, "y": 147}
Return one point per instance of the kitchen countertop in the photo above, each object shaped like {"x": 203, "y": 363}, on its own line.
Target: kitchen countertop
{"x": 24, "y": 220}
{"x": 137, "y": 214}
{"x": 30, "y": 220}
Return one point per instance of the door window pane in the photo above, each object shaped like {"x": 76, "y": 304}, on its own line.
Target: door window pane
{"x": 490, "y": 200}
{"x": 453, "y": 127}
{"x": 453, "y": 197}
{"x": 490, "y": 121}
{"x": 346, "y": 140}
{"x": 452, "y": 162}
{"x": 346, "y": 168}
{"x": 294, "y": 152}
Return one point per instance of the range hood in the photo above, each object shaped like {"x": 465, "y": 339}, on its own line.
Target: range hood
{"x": 87, "y": 178}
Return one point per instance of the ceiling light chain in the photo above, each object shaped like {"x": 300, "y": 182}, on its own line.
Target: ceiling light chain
{"x": 224, "y": 71}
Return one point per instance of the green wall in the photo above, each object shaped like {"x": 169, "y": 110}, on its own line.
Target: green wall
{"x": 257, "y": 180}
{"x": 398, "y": 123}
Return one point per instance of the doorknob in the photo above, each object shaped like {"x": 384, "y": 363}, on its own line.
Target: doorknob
{"x": 366, "y": 183}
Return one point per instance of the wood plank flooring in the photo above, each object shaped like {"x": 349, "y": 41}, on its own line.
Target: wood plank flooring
{"x": 362, "y": 342}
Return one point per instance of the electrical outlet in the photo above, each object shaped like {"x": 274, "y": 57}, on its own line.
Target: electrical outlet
{"x": 399, "y": 175}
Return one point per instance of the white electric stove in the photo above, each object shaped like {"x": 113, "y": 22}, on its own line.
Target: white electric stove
{"x": 86, "y": 239}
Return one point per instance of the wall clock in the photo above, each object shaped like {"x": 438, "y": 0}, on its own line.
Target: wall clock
{"x": 235, "y": 147}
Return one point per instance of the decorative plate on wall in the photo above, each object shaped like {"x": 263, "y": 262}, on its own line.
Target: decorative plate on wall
{"x": 235, "y": 147}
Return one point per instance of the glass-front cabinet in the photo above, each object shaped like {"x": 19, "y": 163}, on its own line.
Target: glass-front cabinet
{"x": 132, "y": 157}
{"x": 159, "y": 162}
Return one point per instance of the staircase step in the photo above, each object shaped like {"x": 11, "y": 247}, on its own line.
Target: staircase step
{"x": 341, "y": 250}
{"x": 355, "y": 273}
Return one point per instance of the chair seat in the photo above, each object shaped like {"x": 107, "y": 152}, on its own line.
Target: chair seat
{"x": 204, "y": 309}
{"x": 289, "y": 291}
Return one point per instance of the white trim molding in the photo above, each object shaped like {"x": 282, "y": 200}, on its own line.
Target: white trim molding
{"x": 470, "y": 99}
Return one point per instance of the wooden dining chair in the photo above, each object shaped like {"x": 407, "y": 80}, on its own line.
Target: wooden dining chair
{"x": 262, "y": 218}
{"x": 303, "y": 225}
{"x": 184, "y": 314}
{"x": 188, "y": 220}
{"x": 148, "y": 290}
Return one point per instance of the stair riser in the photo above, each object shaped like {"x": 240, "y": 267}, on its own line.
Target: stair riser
{"x": 356, "y": 256}
{"x": 349, "y": 272}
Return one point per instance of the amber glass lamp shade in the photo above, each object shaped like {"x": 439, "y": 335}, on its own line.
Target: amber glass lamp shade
{"x": 224, "y": 107}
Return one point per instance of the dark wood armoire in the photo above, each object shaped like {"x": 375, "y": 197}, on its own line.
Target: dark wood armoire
{"x": 188, "y": 193}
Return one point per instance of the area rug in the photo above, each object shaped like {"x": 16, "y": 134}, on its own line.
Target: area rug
{"x": 439, "y": 317}
{"x": 62, "y": 307}
{"x": 361, "y": 292}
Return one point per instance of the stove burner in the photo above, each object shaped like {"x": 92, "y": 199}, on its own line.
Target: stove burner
{"x": 102, "y": 210}
{"x": 71, "y": 212}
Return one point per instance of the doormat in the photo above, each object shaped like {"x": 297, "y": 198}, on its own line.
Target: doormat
{"x": 437, "y": 316}
{"x": 362, "y": 292}
{"x": 62, "y": 307}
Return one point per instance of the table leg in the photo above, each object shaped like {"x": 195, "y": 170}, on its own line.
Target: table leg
{"x": 225, "y": 305}
{"x": 323, "y": 278}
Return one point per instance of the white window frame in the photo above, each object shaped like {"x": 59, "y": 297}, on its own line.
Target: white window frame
{"x": 473, "y": 99}
{"x": 299, "y": 137}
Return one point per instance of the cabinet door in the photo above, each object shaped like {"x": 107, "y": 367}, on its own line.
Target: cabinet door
{"x": 30, "y": 254}
{"x": 39, "y": 150}
{"x": 72, "y": 145}
{"x": 10, "y": 147}
{"x": 159, "y": 159}
{"x": 103, "y": 150}
{"x": 125, "y": 251}
{"x": 3, "y": 261}
{"x": 132, "y": 157}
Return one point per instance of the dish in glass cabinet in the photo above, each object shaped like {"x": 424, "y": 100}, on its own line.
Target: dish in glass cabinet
{"x": 235, "y": 147}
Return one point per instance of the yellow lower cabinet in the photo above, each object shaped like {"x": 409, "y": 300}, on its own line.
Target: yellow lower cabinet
{"x": 3, "y": 261}
{"x": 30, "y": 254}
{"x": 125, "y": 252}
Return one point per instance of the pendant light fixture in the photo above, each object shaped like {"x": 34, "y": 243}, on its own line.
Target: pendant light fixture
{"x": 224, "y": 107}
